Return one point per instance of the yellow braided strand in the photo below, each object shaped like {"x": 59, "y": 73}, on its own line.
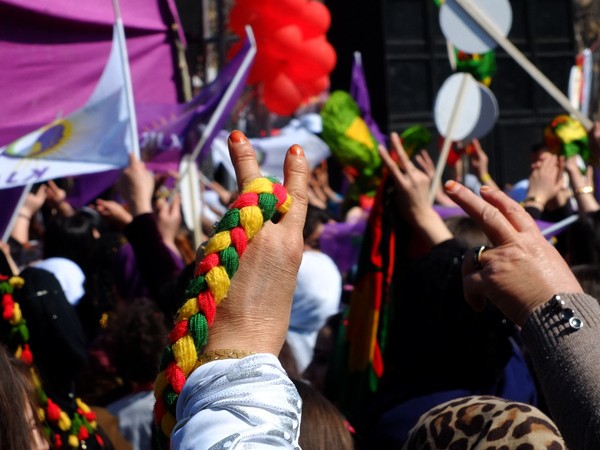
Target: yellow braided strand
{"x": 17, "y": 282}
{"x": 259, "y": 186}
{"x": 285, "y": 206}
{"x": 73, "y": 441}
{"x": 184, "y": 352}
{"x": 168, "y": 423}
{"x": 252, "y": 220}
{"x": 64, "y": 422}
{"x": 17, "y": 314}
{"x": 189, "y": 308}
{"x": 217, "y": 243}
{"x": 161, "y": 383}
{"x": 218, "y": 282}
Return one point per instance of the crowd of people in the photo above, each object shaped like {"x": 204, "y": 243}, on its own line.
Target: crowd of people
{"x": 117, "y": 333}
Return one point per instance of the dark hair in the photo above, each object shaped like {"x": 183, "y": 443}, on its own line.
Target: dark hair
{"x": 136, "y": 337}
{"x": 323, "y": 426}
{"x": 16, "y": 395}
{"x": 72, "y": 238}
{"x": 314, "y": 217}
{"x": 288, "y": 361}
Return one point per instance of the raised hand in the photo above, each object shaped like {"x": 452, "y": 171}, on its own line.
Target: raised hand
{"x": 113, "y": 212}
{"x": 522, "y": 271}
{"x": 255, "y": 315}
{"x": 412, "y": 194}
{"x": 137, "y": 186}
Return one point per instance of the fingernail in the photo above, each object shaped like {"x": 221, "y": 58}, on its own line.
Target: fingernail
{"x": 237, "y": 137}
{"x": 296, "y": 150}
{"x": 451, "y": 186}
{"x": 485, "y": 188}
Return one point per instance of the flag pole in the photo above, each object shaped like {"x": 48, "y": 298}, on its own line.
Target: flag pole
{"x": 15, "y": 214}
{"x": 135, "y": 143}
{"x": 221, "y": 106}
{"x": 454, "y": 116}
{"x": 560, "y": 225}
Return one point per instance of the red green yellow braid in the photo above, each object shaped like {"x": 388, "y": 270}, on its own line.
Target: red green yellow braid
{"x": 261, "y": 200}
{"x": 57, "y": 423}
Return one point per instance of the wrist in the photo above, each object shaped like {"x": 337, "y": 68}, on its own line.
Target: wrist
{"x": 535, "y": 200}
{"x": 137, "y": 209}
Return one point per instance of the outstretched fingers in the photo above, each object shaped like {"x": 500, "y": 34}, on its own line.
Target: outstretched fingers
{"x": 390, "y": 164}
{"x": 494, "y": 224}
{"x": 295, "y": 172}
{"x": 403, "y": 159}
{"x": 243, "y": 158}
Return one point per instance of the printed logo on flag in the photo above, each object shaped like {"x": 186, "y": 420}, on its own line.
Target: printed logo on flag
{"x": 48, "y": 141}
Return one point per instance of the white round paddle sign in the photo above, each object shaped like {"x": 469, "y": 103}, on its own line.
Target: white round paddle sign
{"x": 468, "y": 34}
{"x": 455, "y": 109}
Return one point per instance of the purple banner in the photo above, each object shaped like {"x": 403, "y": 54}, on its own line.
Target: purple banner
{"x": 360, "y": 94}
{"x": 53, "y": 52}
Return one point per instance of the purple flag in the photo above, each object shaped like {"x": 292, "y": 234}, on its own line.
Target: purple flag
{"x": 360, "y": 94}
{"x": 163, "y": 128}
{"x": 53, "y": 53}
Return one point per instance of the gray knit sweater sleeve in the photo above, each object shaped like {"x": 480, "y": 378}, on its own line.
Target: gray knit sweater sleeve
{"x": 567, "y": 362}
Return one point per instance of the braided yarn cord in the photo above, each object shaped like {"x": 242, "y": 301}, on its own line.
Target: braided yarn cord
{"x": 61, "y": 430}
{"x": 261, "y": 200}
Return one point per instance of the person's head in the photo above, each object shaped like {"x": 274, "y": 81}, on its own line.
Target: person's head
{"x": 313, "y": 226}
{"x": 74, "y": 238}
{"x": 19, "y": 427}
{"x": 482, "y": 422}
{"x": 468, "y": 232}
{"x": 288, "y": 361}
{"x": 323, "y": 426}
{"x": 136, "y": 337}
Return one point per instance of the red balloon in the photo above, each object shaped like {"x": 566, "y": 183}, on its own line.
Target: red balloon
{"x": 291, "y": 6}
{"x": 315, "y": 58}
{"x": 264, "y": 68}
{"x": 283, "y": 42}
{"x": 281, "y": 95}
{"x": 314, "y": 20}
{"x": 313, "y": 87}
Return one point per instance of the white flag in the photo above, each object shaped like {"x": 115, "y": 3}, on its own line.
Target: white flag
{"x": 95, "y": 138}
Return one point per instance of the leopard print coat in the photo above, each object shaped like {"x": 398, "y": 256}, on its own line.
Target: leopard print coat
{"x": 484, "y": 423}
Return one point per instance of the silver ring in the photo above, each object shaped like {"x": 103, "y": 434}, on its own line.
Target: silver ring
{"x": 476, "y": 257}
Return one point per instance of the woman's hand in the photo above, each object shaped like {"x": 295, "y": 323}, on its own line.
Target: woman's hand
{"x": 545, "y": 181}
{"x": 480, "y": 165}
{"x": 255, "y": 315}
{"x": 137, "y": 187}
{"x": 113, "y": 212}
{"x": 426, "y": 163}
{"x": 168, "y": 220}
{"x": 582, "y": 185}
{"x": 522, "y": 271}
{"x": 412, "y": 194}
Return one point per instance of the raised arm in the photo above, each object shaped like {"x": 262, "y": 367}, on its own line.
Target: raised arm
{"x": 236, "y": 394}
{"x": 411, "y": 195}
{"x": 528, "y": 280}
